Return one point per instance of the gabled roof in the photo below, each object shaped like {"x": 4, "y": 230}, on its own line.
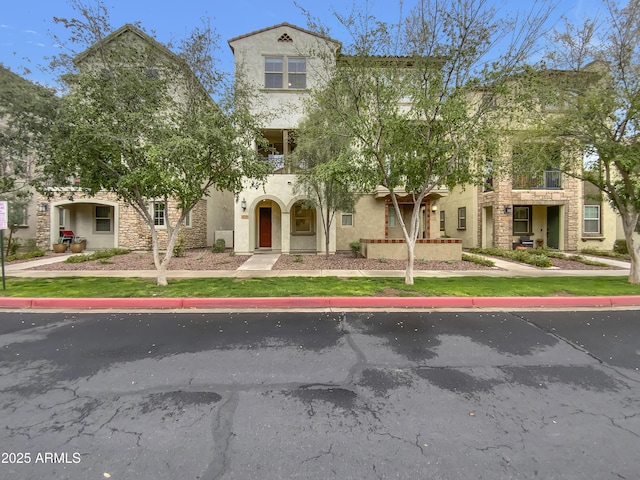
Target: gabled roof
{"x": 287, "y": 25}
{"x": 118, "y": 33}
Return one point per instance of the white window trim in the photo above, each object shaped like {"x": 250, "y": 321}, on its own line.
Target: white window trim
{"x": 285, "y": 73}
{"x": 345, "y": 215}
{"x": 152, "y": 209}
{"x": 598, "y": 218}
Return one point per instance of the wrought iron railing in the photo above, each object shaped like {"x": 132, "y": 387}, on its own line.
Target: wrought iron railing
{"x": 547, "y": 180}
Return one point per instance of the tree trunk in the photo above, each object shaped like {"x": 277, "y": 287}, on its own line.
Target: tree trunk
{"x": 629, "y": 223}
{"x": 408, "y": 274}
{"x": 327, "y": 228}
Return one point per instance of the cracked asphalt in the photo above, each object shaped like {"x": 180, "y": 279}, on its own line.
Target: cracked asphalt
{"x": 474, "y": 394}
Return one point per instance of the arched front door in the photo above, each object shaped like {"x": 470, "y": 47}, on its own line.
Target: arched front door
{"x": 265, "y": 227}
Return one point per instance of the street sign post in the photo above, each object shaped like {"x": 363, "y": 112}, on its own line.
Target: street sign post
{"x": 4, "y": 212}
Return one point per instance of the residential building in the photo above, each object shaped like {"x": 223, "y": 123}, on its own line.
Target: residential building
{"x": 284, "y": 62}
{"x": 105, "y": 221}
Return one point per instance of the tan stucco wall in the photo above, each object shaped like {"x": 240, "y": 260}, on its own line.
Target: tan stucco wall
{"x": 458, "y": 198}
{"x": 423, "y": 251}
{"x": 280, "y": 108}
{"x": 368, "y": 222}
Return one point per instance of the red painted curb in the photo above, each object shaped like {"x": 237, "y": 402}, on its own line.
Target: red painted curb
{"x": 537, "y": 302}
{"x": 625, "y": 301}
{"x": 259, "y": 302}
{"x": 15, "y": 302}
{"x": 321, "y": 302}
{"x": 400, "y": 302}
{"x": 106, "y": 303}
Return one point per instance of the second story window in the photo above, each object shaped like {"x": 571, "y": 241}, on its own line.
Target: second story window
{"x": 273, "y": 71}
{"x": 293, "y": 68}
{"x": 297, "y": 72}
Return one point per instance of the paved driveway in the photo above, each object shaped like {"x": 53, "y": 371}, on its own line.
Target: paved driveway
{"x": 432, "y": 395}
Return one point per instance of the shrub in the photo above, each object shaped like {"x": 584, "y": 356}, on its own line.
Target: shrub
{"x": 621, "y": 247}
{"x": 26, "y": 255}
{"x": 523, "y": 256}
{"x": 604, "y": 253}
{"x": 297, "y": 258}
{"x": 219, "y": 246}
{"x": 478, "y": 260}
{"x": 178, "y": 247}
{"x": 355, "y": 248}
{"x": 100, "y": 254}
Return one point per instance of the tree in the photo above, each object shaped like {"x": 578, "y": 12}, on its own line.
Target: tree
{"x": 139, "y": 121}
{"x": 325, "y": 177}
{"x": 417, "y": 99}
{"x": 26, "y": 112}
{"x": 597, "y": 110}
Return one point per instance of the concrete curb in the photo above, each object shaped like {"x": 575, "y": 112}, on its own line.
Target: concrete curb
{"x": 319, "y": 302}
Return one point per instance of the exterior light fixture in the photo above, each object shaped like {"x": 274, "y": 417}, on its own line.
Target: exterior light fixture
{"x": 434, "y": 208}
{"x": 507, "y": 209}
{"x": 43, "y": 207}
{"x": 243, "y": 204}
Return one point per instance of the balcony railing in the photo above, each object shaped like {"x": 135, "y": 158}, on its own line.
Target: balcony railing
{"x": 547, "y": 180}
{"x": 281, "y": 164}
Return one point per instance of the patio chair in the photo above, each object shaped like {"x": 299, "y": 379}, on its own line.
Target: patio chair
{"x": 67, "y": 236}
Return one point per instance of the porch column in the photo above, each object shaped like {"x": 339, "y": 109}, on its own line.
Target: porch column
{"x": 286, "y": 232}
{"x": 285, "y": 150}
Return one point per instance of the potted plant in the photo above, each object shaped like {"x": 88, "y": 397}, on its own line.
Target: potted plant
{"x": 77, "y": 245}
{"x": 60, "y": 247}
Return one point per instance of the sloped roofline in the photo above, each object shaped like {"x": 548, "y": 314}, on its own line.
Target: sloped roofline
{"x": 287, "y": 25}
{"x": 127, "y": 27}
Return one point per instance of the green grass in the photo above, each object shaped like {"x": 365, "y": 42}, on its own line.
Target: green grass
{"x": 106, "y": 287}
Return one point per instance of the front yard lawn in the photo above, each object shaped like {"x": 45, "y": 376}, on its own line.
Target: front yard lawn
{"x": 111, "y": 287}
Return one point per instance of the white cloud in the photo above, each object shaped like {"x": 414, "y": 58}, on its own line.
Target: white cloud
{"x": 31, "y": 31}
{"x": 6, "y": 26}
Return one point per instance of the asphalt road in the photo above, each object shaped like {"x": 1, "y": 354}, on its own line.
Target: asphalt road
{"x": 410, "y": 395}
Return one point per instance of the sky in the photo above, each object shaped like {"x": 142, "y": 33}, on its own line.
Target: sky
{"x": 25, "y": 25}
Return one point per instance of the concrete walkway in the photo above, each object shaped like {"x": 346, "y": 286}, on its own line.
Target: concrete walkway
{"x": 260, "y": 262}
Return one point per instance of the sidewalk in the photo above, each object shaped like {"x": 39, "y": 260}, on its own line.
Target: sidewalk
{"x": 260, "y": 266}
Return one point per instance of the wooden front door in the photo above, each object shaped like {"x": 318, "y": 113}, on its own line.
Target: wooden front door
{"x": 265, "y": 227}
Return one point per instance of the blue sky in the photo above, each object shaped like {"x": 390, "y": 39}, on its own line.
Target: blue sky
{"x": 24, "y": 24}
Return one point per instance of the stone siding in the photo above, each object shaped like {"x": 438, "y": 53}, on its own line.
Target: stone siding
{"x": 132, "y": 231}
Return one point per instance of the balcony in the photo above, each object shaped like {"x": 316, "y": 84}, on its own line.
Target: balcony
{"x": 282, "y": 164}
{"x": 547, "y": 180}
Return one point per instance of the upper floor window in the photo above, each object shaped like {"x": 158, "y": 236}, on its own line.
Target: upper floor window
{"x": 293, "y": 68}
